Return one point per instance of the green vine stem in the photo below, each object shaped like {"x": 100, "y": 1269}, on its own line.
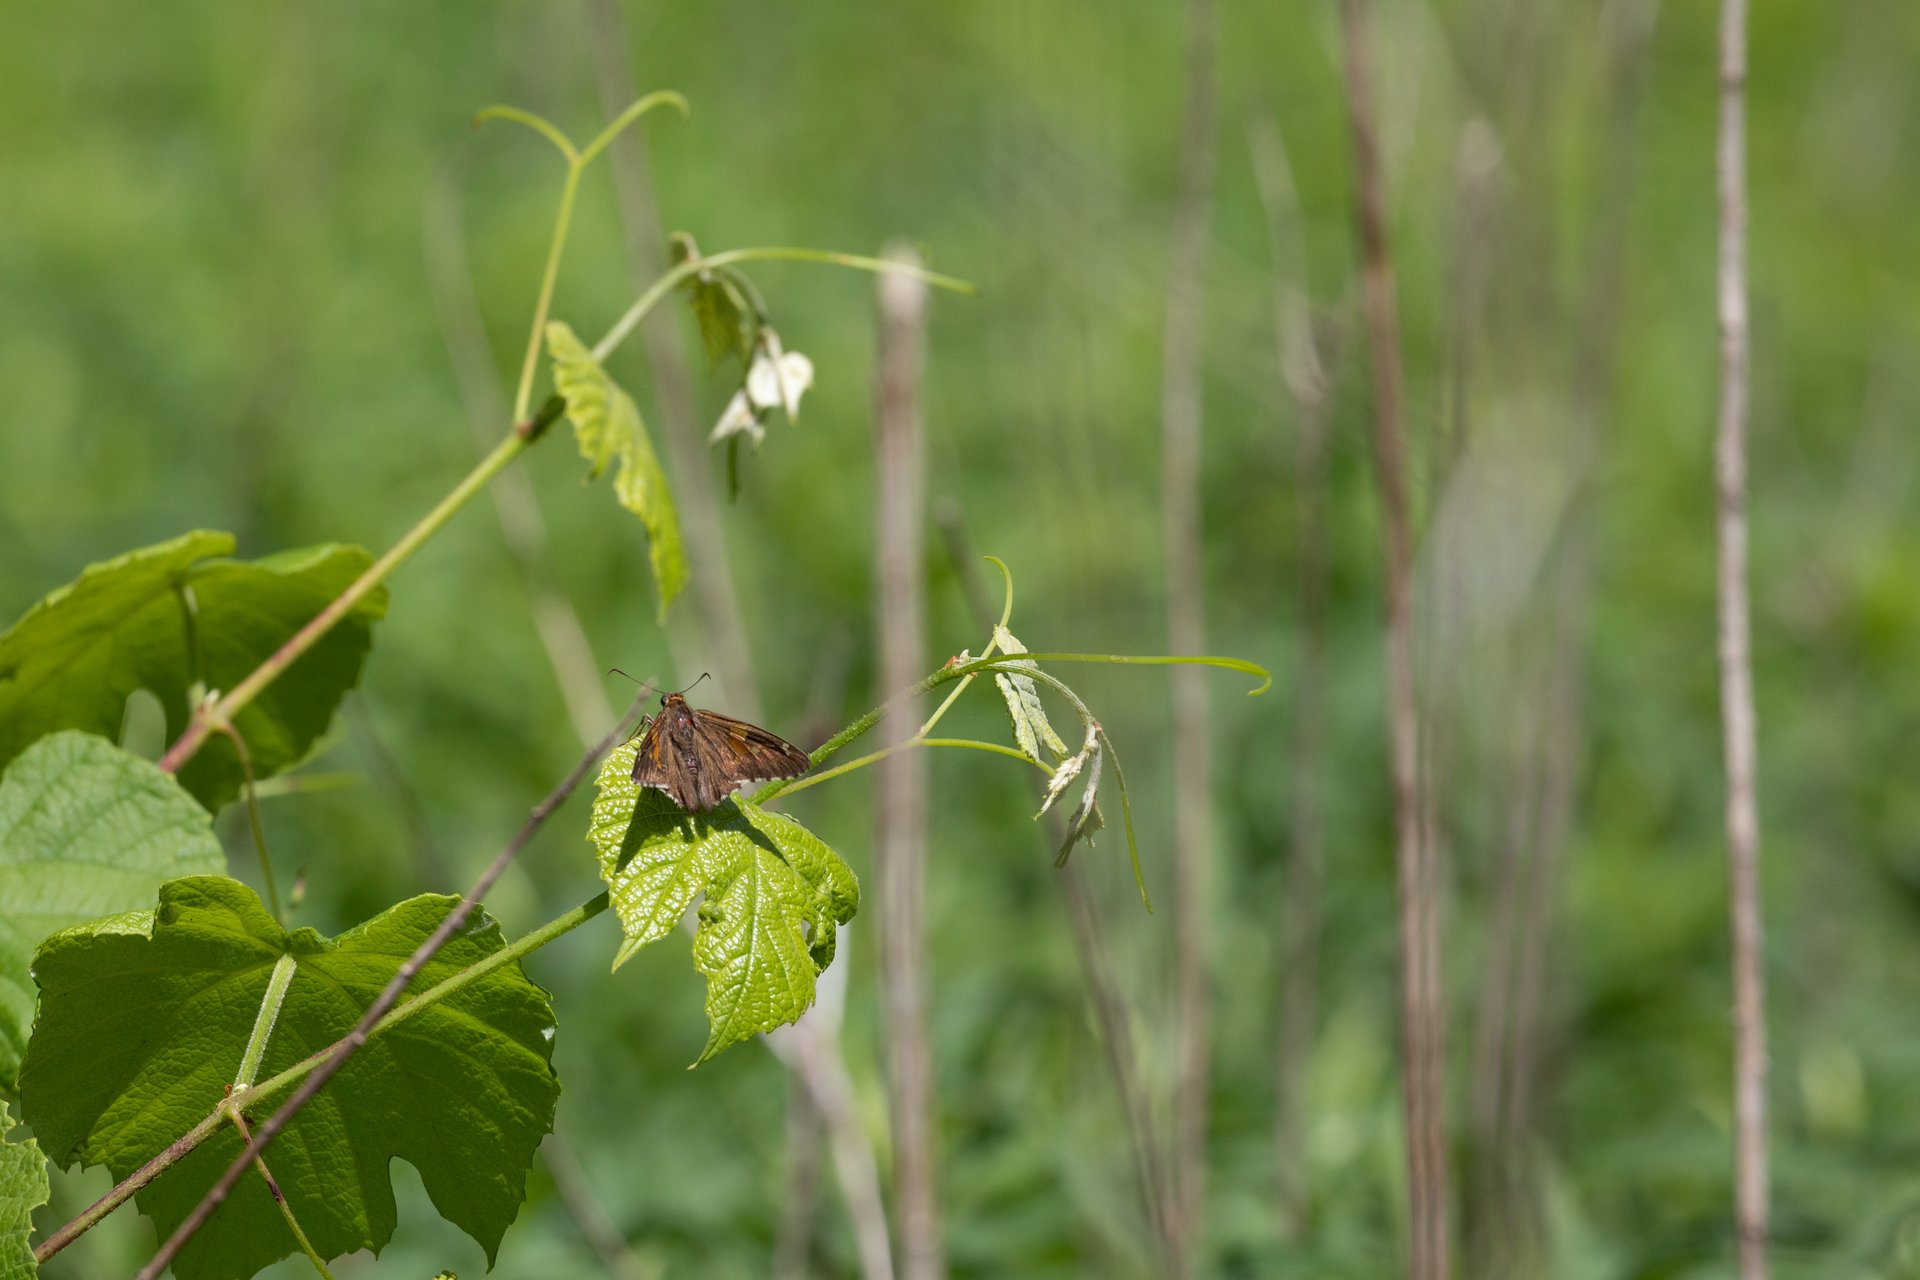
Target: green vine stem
{"x": 660, "y": 288}
{"x": 577, "y": 162}
{"x": 263, "y": 1022}
{"x": 259, "y": 828}
{"x": 286, "y": 1210}
{"x": 993, "y": 642}
{"x": 208, "y": 718}
{"x": 125, "y": 1189}
{"x": 1002, "y": 664}
{"x": 1147, "y": 660}
{"x": 918, "y": 740}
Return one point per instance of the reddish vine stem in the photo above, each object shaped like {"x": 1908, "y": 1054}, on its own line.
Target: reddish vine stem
{"x": 280, "y": 1199}
{"x": 387, "y": 998}
{"x": 128, "y": 1187}
{"x": 207, "y": 720}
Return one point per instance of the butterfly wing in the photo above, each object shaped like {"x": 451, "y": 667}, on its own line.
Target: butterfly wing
{"x": 661, "y": 765}
{"x": 733, "y": 752}
{"x": 698, "y": 758}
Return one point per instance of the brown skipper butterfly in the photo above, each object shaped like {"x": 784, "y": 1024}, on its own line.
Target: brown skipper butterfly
{"x": 700, "y": 757}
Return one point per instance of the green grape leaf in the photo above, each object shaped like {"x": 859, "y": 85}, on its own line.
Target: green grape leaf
{"x": 143, "y": 1021}
{"x": 726, "y": 321}
{"x": 607, "y": 427}
{"x": 1031, "y": 728}
{"x": 774, "y": 894}
{"x": 136, "y": 622}
{"x": 85, "y": 830}
{"x": 23, "y": 1188}
{"x": 723, "y": 316}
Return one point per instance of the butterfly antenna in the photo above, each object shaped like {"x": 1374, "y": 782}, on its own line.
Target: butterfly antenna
{"x": 689, "y": 689}
{"x": 645, "y": 685}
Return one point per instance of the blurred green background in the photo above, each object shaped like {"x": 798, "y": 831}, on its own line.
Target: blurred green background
{"x": 216, "y": 311}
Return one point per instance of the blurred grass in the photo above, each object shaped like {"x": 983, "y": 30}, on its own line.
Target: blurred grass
{"x": 214, "y": 312}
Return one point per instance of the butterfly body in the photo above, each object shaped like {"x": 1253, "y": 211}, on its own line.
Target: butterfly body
{"x": 699, "y": 758}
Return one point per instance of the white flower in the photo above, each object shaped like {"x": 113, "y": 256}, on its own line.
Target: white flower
{"x": 739, "y": 419}
{"x": 776, "y": 379}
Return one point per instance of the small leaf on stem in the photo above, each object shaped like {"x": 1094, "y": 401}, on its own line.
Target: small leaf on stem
{"x": 1031, "y": 728}
{"x": 1085, "y": 819}
{"x": 607, "y": 427}
{"x": 727, "y": 321}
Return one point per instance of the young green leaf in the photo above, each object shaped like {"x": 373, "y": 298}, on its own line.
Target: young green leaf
{"x": 1085, "y": 819}
{"x": 607, "y": 427}
{"x": 774, "y": 895}
{"x": 85, "y": 830}
{"x": 726, "y": 327}
{"x": 1069, "y": 769}
{"x": 23, "y": 1188}
{"x": 1031, "y": 728}
{"x": 143, "y": 1022}
{"x": 727, "y": 321}
{"x": 177, "y": 616}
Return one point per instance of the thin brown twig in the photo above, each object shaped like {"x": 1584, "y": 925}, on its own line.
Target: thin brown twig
{"x": 1738, "y": 730}
{"x": 1422, "y": 1012}
{"x": 129, "y": 1186}
{"x": 387, "y": 998}
{"x": 206, "y": 718}
{"x": 1180, "y": 506}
